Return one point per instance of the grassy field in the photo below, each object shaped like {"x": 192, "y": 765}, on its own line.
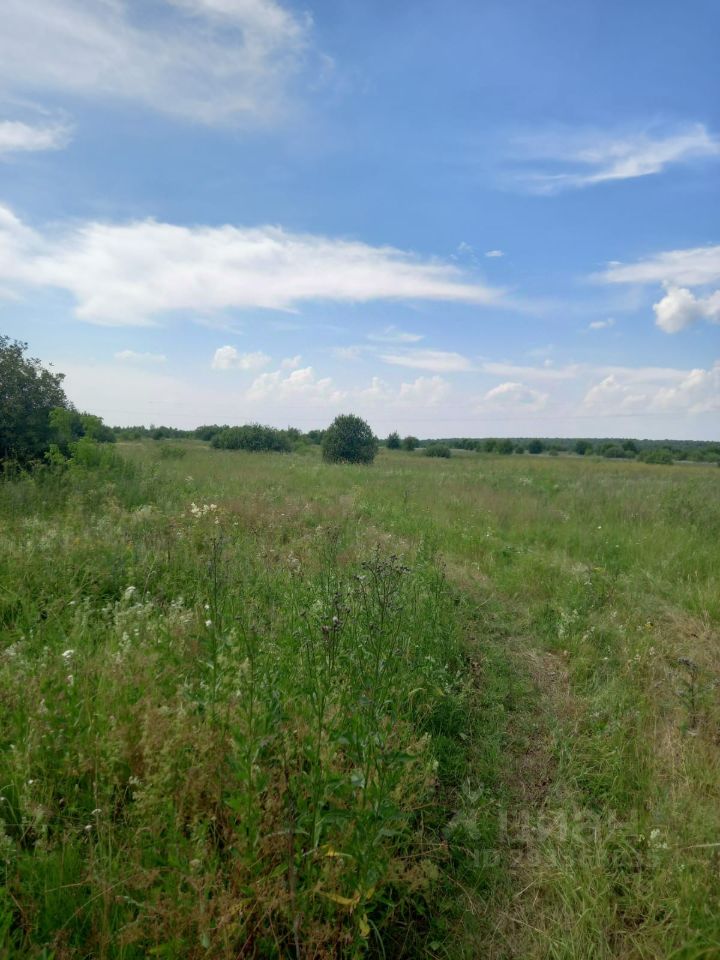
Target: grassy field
{"x": 257, "y": 705}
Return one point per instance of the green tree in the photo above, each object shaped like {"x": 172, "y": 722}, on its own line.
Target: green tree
{"x": 490, "y": 445}
{"x": 410, "y": 443}
{"x": 535, "y": 446}
{"x": 583, "y": 447}
{"x": 28, "y": 393}
{"x": 504, "y": 446}
{"x": 393, "y": 441}
{"x": 349, "y": 439}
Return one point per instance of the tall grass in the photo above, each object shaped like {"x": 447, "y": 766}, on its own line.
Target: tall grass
{"x": 265, "y": 706}
{"x": 212, "y": 747}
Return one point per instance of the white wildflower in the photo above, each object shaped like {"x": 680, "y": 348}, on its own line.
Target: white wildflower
{"x": 68, "y": 655}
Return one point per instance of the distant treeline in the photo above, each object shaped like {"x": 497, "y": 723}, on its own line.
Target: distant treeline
{"x": 615, "y": 448}
{"x": 257, "y": 437}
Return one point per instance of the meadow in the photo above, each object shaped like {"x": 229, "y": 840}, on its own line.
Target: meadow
{"x": 257, "y": 705}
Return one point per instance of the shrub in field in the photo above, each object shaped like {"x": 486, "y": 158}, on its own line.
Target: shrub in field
{"x": 349, "y": 439}
{"x": 410, "y": 443}
{"x": 583, "y": 447}
{"x": 535, "y": 446}
{"x": 171, "y": 451}
{"x": 504, "y": 446}
{"x": 657, "y": 455}
{"x": 615, "y": 452}
{"x": 393, "y": 441}
{"x": 252, "y": 436}
{"x": 437, "y": 450}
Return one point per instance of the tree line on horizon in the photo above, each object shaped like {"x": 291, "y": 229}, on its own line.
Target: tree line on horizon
{"x": 38, "y": 423}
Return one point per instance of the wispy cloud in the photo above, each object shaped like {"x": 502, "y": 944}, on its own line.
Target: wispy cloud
{"x": 130, "y": 274}
{"x": 392, "y": 334}
{"x": 691, "y": 267}
{"x": 494, "y": 254}
{"x": 570, "y": 159}
{"x": 601, "y": 324}
{"x": 437, "y": 361}
{"x": 19, "y": 137}
{"x": 132, "y": 356}
{"x": 213, "y": 61}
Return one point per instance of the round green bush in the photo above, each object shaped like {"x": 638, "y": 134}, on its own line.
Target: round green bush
{"x": 349, "y": 439}
{"x": 437, "y": 450}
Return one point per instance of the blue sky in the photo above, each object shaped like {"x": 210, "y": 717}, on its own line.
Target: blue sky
{"x": 495, "y": 218}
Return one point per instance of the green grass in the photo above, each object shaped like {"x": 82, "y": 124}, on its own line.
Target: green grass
{"x": 449, "y": 708}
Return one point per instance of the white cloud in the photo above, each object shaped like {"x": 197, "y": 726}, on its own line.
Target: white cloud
{"x": 19, "y": 137}
{"x": 569, "y": 372}
{"x": 132, "y": 356}
{"x": 494, "y": 253}
{"x": 574, "y": 159}
{"x": 129, "y": 274}
{"x": 291, "y": 363}
{"x": 601, "y": 324}
{"x": 424, "y": 391}
{"x": 301, "y": 385}
{"x": 672, "y": 391}
{"x": 421, "y": 392}
{"x": 213, "y": 61}
{"x": 691, "y": 267}
{"x": 437, "y": 361}
{"x": 350, "y": 353}
{"x": 514, "y": 396}
{"x": 676, "y": 270}
{"x": 613, "y": 394}
{"x": 392, "y": 334}
{"x": 228, "y": 358}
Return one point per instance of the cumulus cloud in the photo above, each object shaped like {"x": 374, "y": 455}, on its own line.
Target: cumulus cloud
{"x": 677, "y": 271}
{"x": 129, "y": 274}
{"x": 228, "y": 358}
{"x": 424, "y": 391}
{"x": 213, "y": 61}
{"x": 574, "y": 159}
{"x": 19, "y": 137}
{"x": 513, "y": 395}
{"x": 437, "y": 361}
{"x": 291, "y": 363}
{"x": 392, "y": 334}
{"x": 421, "y": 392}
{"x": 302, "y": 385}
{"x": 601, "y": 324}
{"x": 646, "y": 390}
{"x": 132, "y": 356}
{"x": 680, "y": 308}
